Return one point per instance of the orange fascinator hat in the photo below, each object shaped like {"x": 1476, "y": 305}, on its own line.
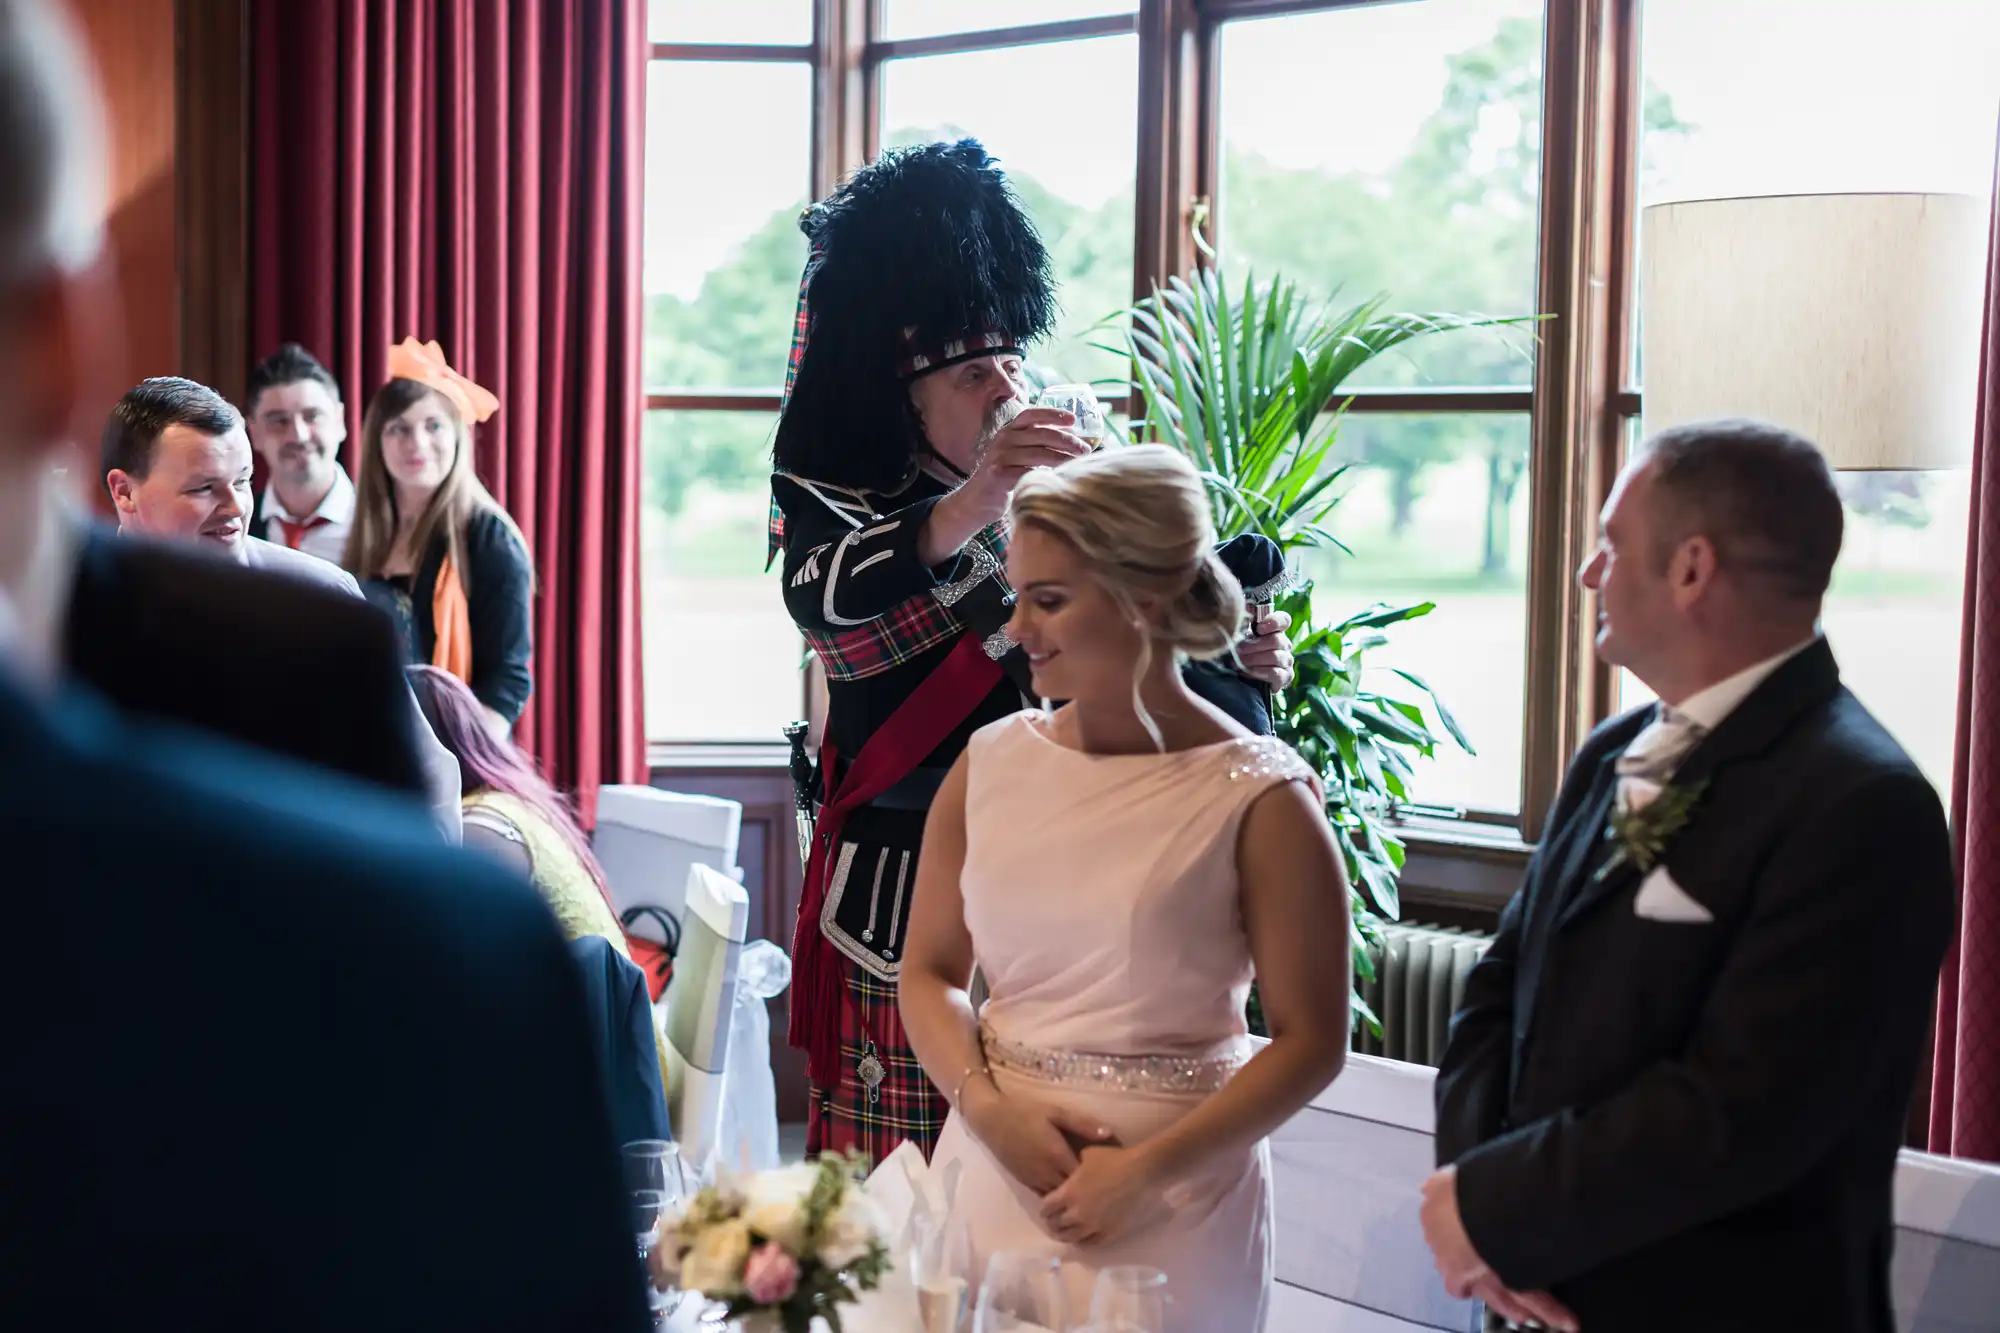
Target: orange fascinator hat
{"x": 425, "y": 363}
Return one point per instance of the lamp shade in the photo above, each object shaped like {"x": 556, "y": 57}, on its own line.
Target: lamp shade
{"x": 1850, "y": 318}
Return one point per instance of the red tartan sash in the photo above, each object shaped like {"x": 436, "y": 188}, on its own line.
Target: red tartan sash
{"x": 919, "y": 725}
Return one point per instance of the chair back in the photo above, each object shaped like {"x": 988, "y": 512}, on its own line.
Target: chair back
{"x": 699, "y": 1001}
{"x": 1945, "y": 1277}
{"x": 647, "y": 840}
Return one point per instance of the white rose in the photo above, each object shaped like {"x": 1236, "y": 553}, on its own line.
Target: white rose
{"x": 714, "y": 1267}
{"x": 779, "y": 1221}
{"x": 774, "y": 1205}
{"x": 849, "y": 1232}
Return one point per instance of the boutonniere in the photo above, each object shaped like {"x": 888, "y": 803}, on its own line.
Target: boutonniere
{"x": 1644, "y": 818}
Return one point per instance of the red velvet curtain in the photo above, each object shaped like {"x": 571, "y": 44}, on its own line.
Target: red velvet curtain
{"x": 1965, "y": 1088}
{"x": 470, "y": 171}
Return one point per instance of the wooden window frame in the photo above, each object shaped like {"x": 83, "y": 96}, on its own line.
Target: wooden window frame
{"x": 1580, "y": 401}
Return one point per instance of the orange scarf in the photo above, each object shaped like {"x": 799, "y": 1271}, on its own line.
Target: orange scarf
{"x": 451, "y": 620}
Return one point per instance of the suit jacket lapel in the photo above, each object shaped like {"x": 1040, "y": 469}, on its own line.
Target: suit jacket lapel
{"x": 1573, "y": 851}
{"x": 1585, "y": 847}
{"x": 1809, "y": 679}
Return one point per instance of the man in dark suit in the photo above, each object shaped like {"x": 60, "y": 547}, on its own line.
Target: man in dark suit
{"x": 1674, "y": 1095}
{"x": 312, "y": 677}
{"x": 347, "y": 1081}
{"x": 299, "y": 670}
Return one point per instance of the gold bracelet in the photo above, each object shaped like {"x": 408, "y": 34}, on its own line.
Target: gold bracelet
{"x": 971, "y": 1072}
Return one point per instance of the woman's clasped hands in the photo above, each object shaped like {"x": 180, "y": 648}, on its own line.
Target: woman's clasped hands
{"x": 1094, "y": 1190}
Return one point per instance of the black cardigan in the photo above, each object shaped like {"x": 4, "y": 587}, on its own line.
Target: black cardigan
{"x": 499, "y": 588}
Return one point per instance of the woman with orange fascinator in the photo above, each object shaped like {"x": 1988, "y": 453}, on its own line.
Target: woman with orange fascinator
{"x": 430, "y": 545}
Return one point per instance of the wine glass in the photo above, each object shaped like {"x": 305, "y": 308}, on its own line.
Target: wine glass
{"x": 1081, "y": 403}
{"x": 938, "y": 1262}
{"x": 1022, "y": 1293}
{"x": 653, "y": 1183}
{"x": 1129, "y": 1299}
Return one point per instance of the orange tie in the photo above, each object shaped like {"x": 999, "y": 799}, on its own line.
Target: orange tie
{"x": 295, "y": 533}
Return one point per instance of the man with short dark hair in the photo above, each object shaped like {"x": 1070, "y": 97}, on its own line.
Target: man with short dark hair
{"x": 1675, "y": 1092}
{"x": 297, "y": 425}
{"x": 177, "y": 464}
{"x": 178, "y": 467}
{"x": 272, "y": 1057}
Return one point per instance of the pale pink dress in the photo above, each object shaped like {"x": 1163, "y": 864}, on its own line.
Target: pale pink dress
{"x": 1102, "y": 897}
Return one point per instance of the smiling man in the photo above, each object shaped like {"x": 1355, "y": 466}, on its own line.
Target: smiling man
{"x": 177, "y": 463}
{"x": 297, "y": 425}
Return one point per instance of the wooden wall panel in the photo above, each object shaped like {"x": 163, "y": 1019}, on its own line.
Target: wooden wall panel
{"x": 130, "y": 42}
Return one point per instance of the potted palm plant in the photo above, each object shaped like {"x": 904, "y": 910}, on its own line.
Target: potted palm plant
{"x": 1246, "y": 385}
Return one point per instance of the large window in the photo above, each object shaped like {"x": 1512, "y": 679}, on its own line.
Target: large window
{"x": 723, "y": 257}
{"x": 1897, "y": 95}
{"x": 1461, "y": 156}
{"x": 1062, "y": 119}
{"x": 1418, "y": 183}
{"x": 935, "y": 18}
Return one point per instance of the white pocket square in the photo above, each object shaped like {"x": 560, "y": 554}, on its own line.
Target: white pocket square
{"x": 1660, "y": 899}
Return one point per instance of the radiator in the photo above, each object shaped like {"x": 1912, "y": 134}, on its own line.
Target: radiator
{"x": 1419, "y": 981}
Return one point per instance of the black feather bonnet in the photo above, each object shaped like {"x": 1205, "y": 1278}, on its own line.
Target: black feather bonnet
{"x": 919, "y": 260}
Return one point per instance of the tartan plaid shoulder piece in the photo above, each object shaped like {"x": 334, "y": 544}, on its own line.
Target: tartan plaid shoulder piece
{"x": 914, "y": 625}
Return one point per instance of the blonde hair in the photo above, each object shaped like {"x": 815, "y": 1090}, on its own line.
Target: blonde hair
{"x": 1139, "y": 518}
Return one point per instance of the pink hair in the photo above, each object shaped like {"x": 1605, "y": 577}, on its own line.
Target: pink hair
{"x": 490, "y": 763}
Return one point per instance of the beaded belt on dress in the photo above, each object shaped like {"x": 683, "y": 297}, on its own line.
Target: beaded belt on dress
{"x": 1127, "y": 1073}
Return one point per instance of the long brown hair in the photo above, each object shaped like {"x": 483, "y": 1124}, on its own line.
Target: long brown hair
{"x": 372, "y": 539}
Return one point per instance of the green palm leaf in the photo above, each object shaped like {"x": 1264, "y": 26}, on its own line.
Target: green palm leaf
{"x": 1246, "y": 380}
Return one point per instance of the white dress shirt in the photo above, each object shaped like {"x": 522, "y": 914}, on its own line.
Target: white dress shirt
{"x": 1650, "y": 760}
{"x": 326, "y": 539}
{"x": 260, "y": 554}
{"x": 1706, "y": 708}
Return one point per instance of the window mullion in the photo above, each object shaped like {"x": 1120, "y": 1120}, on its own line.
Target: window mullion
{"x": 1173, "y": 55}
{"x": 840, "y": 36}
{"x": 1575, "y": 429}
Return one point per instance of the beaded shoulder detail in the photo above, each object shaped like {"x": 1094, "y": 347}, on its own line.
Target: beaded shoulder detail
{"x": 1259, "y": 758}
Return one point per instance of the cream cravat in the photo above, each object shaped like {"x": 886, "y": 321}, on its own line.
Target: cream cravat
{"x": 1650, "y": 760}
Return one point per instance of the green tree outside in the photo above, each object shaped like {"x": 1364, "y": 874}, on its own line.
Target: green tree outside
{"x": 1449, "y": 227}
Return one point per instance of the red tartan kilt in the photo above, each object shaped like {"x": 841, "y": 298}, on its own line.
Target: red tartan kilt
{"x": 906, "y": 1106}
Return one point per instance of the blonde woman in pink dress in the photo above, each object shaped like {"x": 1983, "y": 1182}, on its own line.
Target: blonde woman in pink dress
{"x": 1118, "y": 869}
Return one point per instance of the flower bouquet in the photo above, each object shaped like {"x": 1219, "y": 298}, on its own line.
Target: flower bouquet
{"x": 781, "y": 1247}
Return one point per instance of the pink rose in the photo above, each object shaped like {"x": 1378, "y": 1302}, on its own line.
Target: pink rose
{"x": 771, "y": 1276}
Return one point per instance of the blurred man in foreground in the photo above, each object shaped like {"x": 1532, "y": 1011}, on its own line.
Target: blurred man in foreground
{"x": 353, "y": 1086}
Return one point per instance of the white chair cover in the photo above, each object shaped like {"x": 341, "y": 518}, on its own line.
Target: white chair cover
{"x": 700, "y": 1004}
{"x": 647, "y": 840}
